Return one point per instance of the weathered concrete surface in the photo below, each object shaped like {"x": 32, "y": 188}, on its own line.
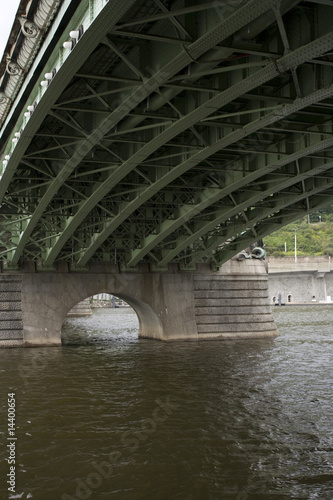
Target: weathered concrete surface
{"x": 233, "y": 302}
{"x": 310, "y": 279}
{"x": 173, "y": 305}
{"x": 162, "y": 301}
{"x": 81, "y": 310}
{"x": 286, "y": 264}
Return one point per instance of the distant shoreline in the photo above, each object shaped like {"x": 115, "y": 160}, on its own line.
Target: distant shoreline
{"x": 303, "y": 304}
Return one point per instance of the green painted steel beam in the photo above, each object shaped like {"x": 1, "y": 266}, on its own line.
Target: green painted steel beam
{"x": 154, "y": 38}
{"x": 94, "y": 95}
{"x": 109, "y": 16}
{"x": 182, "y": 124}
{"x": 203, "y": 154}
{"x": 282, "y": 200}
{"x": 251, "y": 200}
{"x": 207, "y": 41}
{"x": 119, "y": 161}
{"x": 267, "y": 228}
{"x": 175, "y": 13}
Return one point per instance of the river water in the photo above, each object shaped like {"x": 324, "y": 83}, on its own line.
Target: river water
{"x": 109, "y": 416}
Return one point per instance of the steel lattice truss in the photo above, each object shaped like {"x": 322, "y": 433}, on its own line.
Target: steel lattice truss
{"x": 176, "y": 132}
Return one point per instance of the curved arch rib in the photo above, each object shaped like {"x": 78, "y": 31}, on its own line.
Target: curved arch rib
{"x": 108, "y": 18}
{"x": 299, "y": 56}
{"x": 236, "y": 21}
{"x": 193, "y": 51}
{"x": 286, "y": 201}
{"x": 238, "y": 184}
{"x": 267, "y": 228}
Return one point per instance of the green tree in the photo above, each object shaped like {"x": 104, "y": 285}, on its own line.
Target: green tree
{"x": 315, "y": 238}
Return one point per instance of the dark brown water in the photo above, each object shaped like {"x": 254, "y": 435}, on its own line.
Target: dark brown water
{"x": 108, "y": 416}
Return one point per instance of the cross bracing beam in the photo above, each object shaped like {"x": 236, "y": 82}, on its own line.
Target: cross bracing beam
{"x": 283, "y": 200}
{"x": 135, "y": 186}
{"x": 270, "y": 225}
{"x": 172, "y": 14}
{"x": 214, "y": 104}
{"x": 199, "y": 47}
{"x": 238, "y": 184}
{"x": 196, "y": 159}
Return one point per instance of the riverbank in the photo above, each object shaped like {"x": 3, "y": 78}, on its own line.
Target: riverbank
{"x": 306, "y": 280}
{"x": 107, "y": 304}
{"x": 288, "y": 304}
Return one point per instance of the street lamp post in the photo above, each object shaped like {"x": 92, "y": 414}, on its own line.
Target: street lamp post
{"x": 296, "y": 244}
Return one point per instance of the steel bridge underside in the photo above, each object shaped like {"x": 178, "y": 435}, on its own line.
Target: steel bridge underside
{"x": 175, "y": 132}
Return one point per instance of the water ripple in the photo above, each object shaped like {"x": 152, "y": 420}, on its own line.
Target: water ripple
{"x": 227, "y": 420}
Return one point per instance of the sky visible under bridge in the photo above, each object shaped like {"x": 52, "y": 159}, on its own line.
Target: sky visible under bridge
{"x": 7, "y": 14}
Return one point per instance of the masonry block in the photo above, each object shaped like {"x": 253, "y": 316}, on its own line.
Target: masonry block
{"x": 10, "y": 296}
{"x": 11, "y": 334}
{"x": 10, "y": 286}
{"x": 10, "y": 306}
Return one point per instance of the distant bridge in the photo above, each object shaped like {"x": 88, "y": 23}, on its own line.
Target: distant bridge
{"x": 161, "y": 132}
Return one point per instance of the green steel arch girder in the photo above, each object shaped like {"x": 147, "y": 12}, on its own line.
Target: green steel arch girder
{"x": 167, "y": 153}
{"x": 219, "y": 33}
{"x": 207, "y": 199}
{"x": 258, "y": 214}
{"x": 112, "y": 14}
{"x": 240, "y": 183}
{"x": 267, "y": 227}
{"x": 146, "y": 151}
{"x": 290, "y": 60}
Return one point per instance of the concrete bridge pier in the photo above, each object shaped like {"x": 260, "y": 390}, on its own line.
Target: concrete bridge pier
{"x": 202, "y": 305}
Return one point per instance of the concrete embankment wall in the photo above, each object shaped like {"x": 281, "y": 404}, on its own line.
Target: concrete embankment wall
{"x": 309, "y": 279}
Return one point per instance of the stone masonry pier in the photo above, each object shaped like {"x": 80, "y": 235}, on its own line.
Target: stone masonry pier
{"x": 232, "y": 303}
